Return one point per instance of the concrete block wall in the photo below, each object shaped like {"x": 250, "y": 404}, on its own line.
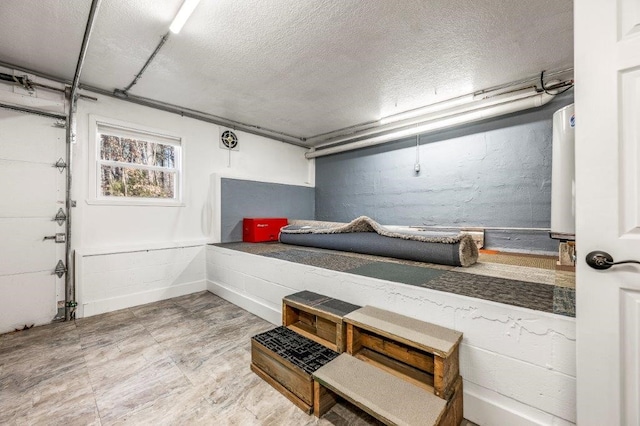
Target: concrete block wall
{"x": 495, "y": 173}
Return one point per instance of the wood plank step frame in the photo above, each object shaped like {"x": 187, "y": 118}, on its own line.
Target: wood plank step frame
{"x": 317, "y": 317}
{"x": 384, "y": 396}
{"x": 286, "y": 361}
{"x": 421, "y": 353}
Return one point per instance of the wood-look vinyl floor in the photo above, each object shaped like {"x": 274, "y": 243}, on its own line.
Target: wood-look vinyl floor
{"x": 181, "y": 361}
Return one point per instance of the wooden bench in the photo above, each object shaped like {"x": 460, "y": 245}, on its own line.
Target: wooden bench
{"x": 286, "y": 360}
{"x": 418, "y": 352}
{"x": 385, "y": 396}
{"x": 317, "y": 317}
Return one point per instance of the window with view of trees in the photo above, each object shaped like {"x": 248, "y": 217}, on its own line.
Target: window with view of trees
{"x": 133, "y": 165}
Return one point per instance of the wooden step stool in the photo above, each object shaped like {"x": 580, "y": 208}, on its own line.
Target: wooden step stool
{"x": 384, "y": 396}
{"x": 419, "y": 352}
{"x": 286, "y": 360}
{"x": 317, "y": 317}
{"x": 387, "y": 349}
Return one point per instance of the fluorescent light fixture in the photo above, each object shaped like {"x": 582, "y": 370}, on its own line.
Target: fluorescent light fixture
{"x": 450, "y": 103}
{"x": 434, "y": 112}
{"x": 183, "y": 14}
{"x": 438, "y": 122}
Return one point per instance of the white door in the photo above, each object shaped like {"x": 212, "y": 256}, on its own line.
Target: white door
{"x": 31, "y": 193}
{"x": 607, "y": 72}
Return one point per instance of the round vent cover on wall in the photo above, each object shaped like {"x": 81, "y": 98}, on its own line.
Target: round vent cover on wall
{"x": 228, "y": 140}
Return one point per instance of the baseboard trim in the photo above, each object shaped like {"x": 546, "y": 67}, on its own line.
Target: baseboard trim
{"x": 245, "y": 302}
{"x": 102, "y": 306}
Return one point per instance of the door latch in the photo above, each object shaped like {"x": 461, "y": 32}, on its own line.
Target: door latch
{"x": 603, "y": 260}
{"x": 59, "y": 238}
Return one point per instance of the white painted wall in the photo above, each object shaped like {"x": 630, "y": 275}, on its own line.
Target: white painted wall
{"x": 518, "y": 364}
{"x": 113, "y": 269}
{"x": 117, "y": 279}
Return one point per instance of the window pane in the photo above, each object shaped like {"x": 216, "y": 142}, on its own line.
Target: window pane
{"x": 129, "y": 182}
{"x": 136, "y": 151}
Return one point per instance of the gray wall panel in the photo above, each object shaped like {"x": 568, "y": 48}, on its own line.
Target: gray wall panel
{"x": 494, "y": 174}
{"x": 246, "y": 198}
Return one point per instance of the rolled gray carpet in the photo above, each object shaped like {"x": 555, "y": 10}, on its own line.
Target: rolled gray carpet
{"x": 364, "y": 235}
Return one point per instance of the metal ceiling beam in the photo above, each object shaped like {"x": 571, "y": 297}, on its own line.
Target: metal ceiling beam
{"x": 34, "y": 111}
{"x": 203, "y": 116}
{"x": 95, "y": 4}
{"x": 125, "y": 91}
{"x": 70, "y": 288}
{"x": 54, "y": 78}
{"x": 175, "y": 109}
{"x": 354, "y": 131}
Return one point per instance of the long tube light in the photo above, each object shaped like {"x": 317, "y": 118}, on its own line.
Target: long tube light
{"x": 441, "y": 122}
{"x": 449, "y": 103}
{"x": 440, "y": 110}
{"x": 347, "y": 133}
{"x": 183, "y": 14}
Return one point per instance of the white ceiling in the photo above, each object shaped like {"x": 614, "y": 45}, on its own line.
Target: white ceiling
{"x": 299, "y": 67}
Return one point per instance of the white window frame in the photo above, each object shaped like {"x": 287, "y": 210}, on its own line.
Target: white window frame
{"x": 98, "y": 124}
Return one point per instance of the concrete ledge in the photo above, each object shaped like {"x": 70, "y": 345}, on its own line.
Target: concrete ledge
{"x": 517, "y": 363}
{"x": 245, "y": 302}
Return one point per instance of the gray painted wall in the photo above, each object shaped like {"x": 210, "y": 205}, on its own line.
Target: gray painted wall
{"x": 493, "y": 174}
{"x": 247, "y": 198}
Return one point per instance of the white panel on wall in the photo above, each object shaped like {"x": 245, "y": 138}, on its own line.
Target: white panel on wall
{"x": 27, "y": 299}
{"x": 20, "y": 145}
{"x": 629, "y": 17}
{"x": 22, "y": 246}
{"x": 32, "y": 190}
{"x": 629, "y": 152}
{"x": 31, "y": 193}
{"x": 112, "y": 281}
{"x": 630, "y": 350}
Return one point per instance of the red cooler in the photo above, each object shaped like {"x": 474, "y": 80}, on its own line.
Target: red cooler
{"x": 257, "y": 230}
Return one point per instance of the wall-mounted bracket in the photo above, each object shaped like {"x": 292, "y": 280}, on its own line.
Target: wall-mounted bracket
{"x": 61, "y": 269}
{"x": 60, "y": 165}
{"x": 59, "y": 238}
{"x": 60, "y": 217}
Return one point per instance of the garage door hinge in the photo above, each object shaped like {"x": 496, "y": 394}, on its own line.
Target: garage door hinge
{"x": 60, "y": 217}
{"x": 60, "y": 269}
{"x": 61, "y": 165}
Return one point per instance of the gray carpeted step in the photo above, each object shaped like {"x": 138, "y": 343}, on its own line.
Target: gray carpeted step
{"x": 384, "y": 396}
{"x": 430, "y": 337}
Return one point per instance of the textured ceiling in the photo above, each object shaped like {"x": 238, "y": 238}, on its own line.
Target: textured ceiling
{"x": 298, "y": 67}
{"x": 44, "y": 36}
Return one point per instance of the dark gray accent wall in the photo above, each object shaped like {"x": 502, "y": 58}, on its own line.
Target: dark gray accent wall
{"x": 496, "y": 173}
{"x": 247, "y": 198}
